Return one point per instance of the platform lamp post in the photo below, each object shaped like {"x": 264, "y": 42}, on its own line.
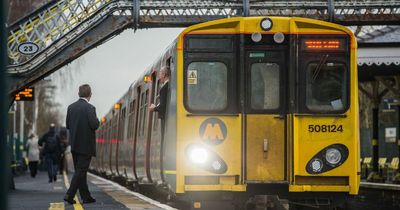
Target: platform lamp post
{"x": 396, "y": 178}
{"x": 375, "y": 176}
{"x": 4, "y": 164}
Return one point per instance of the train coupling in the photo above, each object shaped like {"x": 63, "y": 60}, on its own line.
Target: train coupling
{"x": 270, "y": 202}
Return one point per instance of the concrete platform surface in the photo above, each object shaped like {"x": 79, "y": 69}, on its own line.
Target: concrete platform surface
{"x": 37, "y": 194}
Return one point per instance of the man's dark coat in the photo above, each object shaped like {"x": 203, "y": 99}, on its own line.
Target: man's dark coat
{"x": 162, "y": 106}
{"x": 82, "y": 124}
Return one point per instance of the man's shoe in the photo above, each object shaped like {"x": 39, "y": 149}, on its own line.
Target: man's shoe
{"x": 69, "y": 200}
{"x": 89, "y": 200}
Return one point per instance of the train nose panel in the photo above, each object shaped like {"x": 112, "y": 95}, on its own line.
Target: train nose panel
{"x": 265, "y": 148}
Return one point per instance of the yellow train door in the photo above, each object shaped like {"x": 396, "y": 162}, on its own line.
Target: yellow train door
{"x": 264, "y": 123}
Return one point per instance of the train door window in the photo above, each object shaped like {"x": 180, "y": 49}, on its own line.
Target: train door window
{"x": 171, "y": 65}
{"x": 109, "y": 130}
{"x": 207, "y": 86}
{"x": 130, "y": 120}
{"x": 141, "y": 117}
{"x": 156, "y": 101}
{"x": 114, "y": 128}
{"x": 265, "y": 86}
{"x": 122, "y": 124}
{"x": 143, "y": 112}
{"x": 326, "y": 88}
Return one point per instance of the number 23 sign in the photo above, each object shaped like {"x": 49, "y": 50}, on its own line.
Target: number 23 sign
{"x": 28, "y": 48}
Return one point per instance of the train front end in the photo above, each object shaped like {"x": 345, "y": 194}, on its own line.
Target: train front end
{"x": 266, "y": 106}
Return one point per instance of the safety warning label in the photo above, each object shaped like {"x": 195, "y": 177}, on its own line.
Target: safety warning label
{"x": 192, "y": 77}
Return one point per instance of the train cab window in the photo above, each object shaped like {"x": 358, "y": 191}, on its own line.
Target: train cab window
{"x": 265, "y": 92}
{"x": 207, "y": 86}
{"x": 326, "y": 88}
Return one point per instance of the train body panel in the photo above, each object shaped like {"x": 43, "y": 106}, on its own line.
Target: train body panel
{"x": 252, "y": 102}
{"x": 130, "y": 129}
{"x": 140, "y": 152}
{"x": 265, "y": 149}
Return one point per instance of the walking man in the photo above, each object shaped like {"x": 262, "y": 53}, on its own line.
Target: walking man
{"x": 82, "y": 123}
{"x": 51, "y": 151}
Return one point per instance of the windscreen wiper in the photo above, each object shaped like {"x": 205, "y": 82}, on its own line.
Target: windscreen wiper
{"x": 322, "y": 61}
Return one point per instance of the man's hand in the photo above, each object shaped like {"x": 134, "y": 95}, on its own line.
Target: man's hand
{"x": 151, "y": 107}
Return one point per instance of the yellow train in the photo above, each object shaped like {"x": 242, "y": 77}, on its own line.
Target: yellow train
{"x": 256, "y": 106}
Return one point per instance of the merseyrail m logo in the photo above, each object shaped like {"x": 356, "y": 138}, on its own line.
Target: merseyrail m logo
{"x": 213, "y": 131}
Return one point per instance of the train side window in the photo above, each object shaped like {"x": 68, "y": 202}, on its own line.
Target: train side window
{"x": 326, "y": 88}
{"x": 265, "y": 86}
{"x": 207, "y": 86}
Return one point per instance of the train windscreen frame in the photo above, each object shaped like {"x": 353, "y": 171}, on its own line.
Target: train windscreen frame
{"x": 324, "y": 74}
{"x": 222, "y": 55}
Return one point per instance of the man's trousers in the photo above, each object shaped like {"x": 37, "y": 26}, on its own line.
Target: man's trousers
{"x": 79, "y": 180}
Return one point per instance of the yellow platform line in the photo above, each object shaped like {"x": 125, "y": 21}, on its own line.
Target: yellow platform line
{"x": 56, "y": 206}
{"x": 78, "y": 205}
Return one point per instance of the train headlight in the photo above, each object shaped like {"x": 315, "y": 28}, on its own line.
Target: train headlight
{"x": 279, "y": 37}
{"x": 316, "y": 165}
{"x": 216, "y": 165}
{"x": 333, "y": 156}
{"x": 327, "y": 159}
{"x": 256, "y": 36}
{"x": 198, "y": 155}
{"x": 266, "y": 24}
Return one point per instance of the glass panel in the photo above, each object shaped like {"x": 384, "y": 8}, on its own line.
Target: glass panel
{"x": 326, "y": 87}
{"x": 207, "y": 86}
{"x": 210, "y": 44}
{"x": 156, "y": 101}
{"x": 143, "y": 112}
{"x": 265, "y": 82}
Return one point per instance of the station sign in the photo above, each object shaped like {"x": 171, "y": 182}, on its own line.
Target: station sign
{"x": 389, "y": 104}
{"x": 28, "y": 48}
{"x": 28, "y": 94}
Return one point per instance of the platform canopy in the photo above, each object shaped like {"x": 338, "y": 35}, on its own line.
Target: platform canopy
{"x": 379, "y": 53}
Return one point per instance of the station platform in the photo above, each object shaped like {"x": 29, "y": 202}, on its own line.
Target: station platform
{"x": 37, "y": 194}
{"x": 380, "y": 186}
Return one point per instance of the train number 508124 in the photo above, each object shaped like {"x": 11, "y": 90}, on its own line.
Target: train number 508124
{"x": 325, "y": 128}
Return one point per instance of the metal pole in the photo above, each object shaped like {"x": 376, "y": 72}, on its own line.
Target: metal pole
{"x": 35, "y": 110}
{"x": 331, "y": 10}
{"x": 398, "y": 140}
{"x": 21, "y": 121}
{"x": 21, "y": 130}
{"x": 136, "y": 14}
{"x": 375, "y": 140}
{"x": 246, "y": 8}
{"x": 14, "y": 136}
{"x": 4, "y": 162}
